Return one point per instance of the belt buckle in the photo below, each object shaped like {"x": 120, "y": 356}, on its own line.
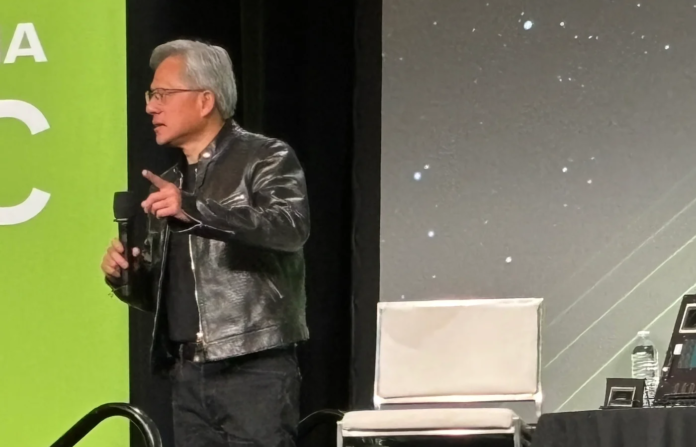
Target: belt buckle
{"x": 189, "y": 352}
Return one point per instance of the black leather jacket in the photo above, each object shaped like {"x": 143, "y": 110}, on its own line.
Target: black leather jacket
{"x": 250, "y": 220}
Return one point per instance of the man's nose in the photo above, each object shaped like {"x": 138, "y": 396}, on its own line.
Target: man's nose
{"x": 151, "y": 109}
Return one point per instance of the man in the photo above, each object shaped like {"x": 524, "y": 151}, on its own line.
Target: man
{"x": 222, "y": 267}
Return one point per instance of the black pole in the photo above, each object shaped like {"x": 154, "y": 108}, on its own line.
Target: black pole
{"x": 142, "y": 421}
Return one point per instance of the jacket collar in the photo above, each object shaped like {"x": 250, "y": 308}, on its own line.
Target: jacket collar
{"x": 209, "y": 154}
{"x": 214, "y": 148}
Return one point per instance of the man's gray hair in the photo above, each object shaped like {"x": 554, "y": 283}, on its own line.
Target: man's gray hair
{"x": 207, "y": 67}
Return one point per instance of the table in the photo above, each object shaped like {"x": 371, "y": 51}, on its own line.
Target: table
{"x": 635, "y": 427}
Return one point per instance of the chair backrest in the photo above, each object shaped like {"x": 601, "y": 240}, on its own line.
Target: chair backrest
{"x": 458, "y": 351}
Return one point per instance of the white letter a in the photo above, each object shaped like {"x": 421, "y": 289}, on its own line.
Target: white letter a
{"x": 35, "y": 49}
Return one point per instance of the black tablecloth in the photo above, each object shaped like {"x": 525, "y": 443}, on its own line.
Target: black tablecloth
{"x": 639, "y": 427}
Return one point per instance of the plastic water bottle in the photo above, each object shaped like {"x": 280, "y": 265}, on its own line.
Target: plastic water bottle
{"x": 644, "y": 363}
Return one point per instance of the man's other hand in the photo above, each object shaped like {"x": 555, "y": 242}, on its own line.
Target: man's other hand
{"x": 114, "y": 261}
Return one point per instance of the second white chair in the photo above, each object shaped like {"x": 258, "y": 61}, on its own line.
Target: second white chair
{"x": 439, "y": 355}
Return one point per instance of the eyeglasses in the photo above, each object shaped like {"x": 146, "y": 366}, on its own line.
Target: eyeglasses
{"x": 160, "y": 94}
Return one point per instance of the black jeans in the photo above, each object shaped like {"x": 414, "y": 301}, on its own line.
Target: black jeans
{"x": 251, "y": 400}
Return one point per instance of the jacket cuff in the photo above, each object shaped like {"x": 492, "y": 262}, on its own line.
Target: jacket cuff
{"x": 189, "y": 206}
{"x": 179, "y": 226}
{"x": 114, "y": 285}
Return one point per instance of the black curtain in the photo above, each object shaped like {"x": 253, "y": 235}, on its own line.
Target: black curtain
{"x": 295, "y": 69}
{"x": 367, "y": 110}
{"x": 301, "y": 92}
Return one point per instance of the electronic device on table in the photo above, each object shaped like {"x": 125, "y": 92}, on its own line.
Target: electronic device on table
{"x": 677, "y": 386}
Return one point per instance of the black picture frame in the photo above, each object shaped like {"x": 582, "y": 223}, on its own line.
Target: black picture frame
{"x": 624, "y": 393}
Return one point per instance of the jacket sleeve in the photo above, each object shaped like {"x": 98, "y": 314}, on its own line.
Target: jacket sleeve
{"x": 141, "y": 295}
{"x": 275, "y": 217}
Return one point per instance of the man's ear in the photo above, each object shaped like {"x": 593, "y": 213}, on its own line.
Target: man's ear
{"x": 208, "y": 103}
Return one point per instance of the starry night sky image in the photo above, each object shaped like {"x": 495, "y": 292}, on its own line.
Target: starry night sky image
{"x": 544, "y": 148}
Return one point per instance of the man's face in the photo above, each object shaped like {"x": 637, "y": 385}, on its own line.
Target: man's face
{"x": 176, "y": 114}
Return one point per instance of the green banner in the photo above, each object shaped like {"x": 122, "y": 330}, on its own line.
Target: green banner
{"x": 63, "y": 339}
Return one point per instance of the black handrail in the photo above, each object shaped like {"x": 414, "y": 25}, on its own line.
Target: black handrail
{"x": 146, "y": 425}
{"x": 310, "y": 422}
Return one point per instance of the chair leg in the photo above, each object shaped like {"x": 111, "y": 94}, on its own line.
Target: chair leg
{"x": 517, "y": 434}
{"x": 339, "y": 436}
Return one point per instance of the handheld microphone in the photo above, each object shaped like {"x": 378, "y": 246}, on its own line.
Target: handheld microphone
{"x": 125, "y": 208}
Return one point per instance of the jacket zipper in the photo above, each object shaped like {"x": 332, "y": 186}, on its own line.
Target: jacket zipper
{"x": 199, "y": 336}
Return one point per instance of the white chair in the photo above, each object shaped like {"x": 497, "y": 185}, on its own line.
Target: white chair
{"x": 438, "y": 356}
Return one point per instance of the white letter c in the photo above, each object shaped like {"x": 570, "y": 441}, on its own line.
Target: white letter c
{"x": 37, "y": 200}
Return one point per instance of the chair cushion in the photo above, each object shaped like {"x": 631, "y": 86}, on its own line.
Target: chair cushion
{"x": 429, "y": 419}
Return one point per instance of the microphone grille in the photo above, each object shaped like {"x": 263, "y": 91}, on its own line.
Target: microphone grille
{"x": 125, "y": 205}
